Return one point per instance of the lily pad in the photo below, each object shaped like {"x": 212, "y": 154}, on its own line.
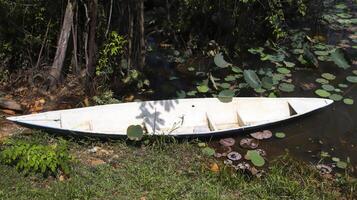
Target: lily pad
{"x": 236, "y": 69}
{"x": 339, "y": 59}
{"x": 255, "y": 158}
{"x": 230, "y": 78}
{"x": 341, "y": 85}
{"x": 267, "y": 82}
{"x": 322, "y": 93}
{"x": 351, "y": 79}
{"x": 354, "y": 72}
{"x": 336, "y": 97}
{"x": 283, "y": 70}
{"x": 203, "y": 88}
{"x": 348, "y": 101}
{"x": 249, "y": 143}
{"x": 328, "y": 76}
{"x": 266, "y": 134}
{"x": 286, "y": 87}
{"x": 135, "y": 132}
{"x": 322, "y": 81}
{"x": 220, "y": 62}
{"x": 234, "y": 156}
{"x": 208, "y": 151}
{"x": 280, "y": 135}
{"x": 289, "y": 64}
{"x": 328, "y": 87}
{"x": 341, "y": 165}
{"x": 252, "y": 78}
{"x": 321, "y": 53}
{"x": 225, "y": 85}
{"x": 227, "y": 142}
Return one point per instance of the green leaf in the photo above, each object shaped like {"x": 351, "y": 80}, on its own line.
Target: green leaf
{"x": 328, "y": 76}
{"x": 341, "y": 165}
{"x": 289, "y": 64}
{"x": 226, "y": 93}
{"x": 255, "y": 158}
{"x": 230, "y": 78}
{"x": 351, "y": 79}
{"x": 225, "y": 85}
{"x": 252, "y": 78}
{"x": 322, "y": 93}
{"x": 135, "y": 132}
{"x": 267, "y": 82}
{"x": 328, "y": 87}
{"x": 286, "y": 87}
{"x": 208, "y": 151}
{"x": 321, "y": 53}
{"x": 348, "y": 101}
{"x": 322, "y": 81}
{"x": 203, "y": 88}
{"x": 338, "y": 58}
{"x": 310, "y": 57}
{"x": 342, "y": 85}
{"x": 236, "y": 69}
{"x": 336, "y": 97}
{"x": 220, "y": 62}
{"x": 280, "y": 135}
{"x": 283, "y": 70}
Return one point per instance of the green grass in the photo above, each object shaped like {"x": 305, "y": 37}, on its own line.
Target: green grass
{"x": 166, "y": 170}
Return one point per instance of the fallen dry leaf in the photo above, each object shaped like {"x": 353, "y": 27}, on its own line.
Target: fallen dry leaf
{"x": 214, "y": 167}
{"x": 9, "y": 112}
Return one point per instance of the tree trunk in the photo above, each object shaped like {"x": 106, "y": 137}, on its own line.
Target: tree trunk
{"x": 92, "y": 46}
{"x": 130, "y": 34}
{"x": 62, "y": 44}
{"x": 141, "y": 35}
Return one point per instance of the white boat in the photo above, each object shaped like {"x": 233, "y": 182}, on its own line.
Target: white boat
{"x": 181, "y": 117}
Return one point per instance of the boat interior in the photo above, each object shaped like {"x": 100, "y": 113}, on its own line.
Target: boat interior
{"x": 184, "y": 116}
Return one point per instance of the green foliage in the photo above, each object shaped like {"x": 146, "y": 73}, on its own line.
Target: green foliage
{"x": 111, "y": 55}
{"x": 45, "y": 159}
{"x": 105, "y": 98}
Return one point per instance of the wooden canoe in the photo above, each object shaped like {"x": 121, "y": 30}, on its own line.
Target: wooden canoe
{"x": 182, "y": 117}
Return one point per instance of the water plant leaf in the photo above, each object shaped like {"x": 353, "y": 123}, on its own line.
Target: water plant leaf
{"x": 289, "y": 64}
{"x": 135, "y": 132}
{"x": 341, "y": 165}
{"x": 286, "y": 87}
{"x": 328, "y": 76}
{"x": 230, "y": 78}
{"x": 341, "y": 85}
{"x": 220, "y": 62}
{"x": 338, "y": 58}
{"x": 236, "y": 69}
{"x": 297, "y": 51}
{"x": 283, "y": 70}
{"x": 181, "y": 94}
{"x": 351, "y": 79}
{"x": 201, "y": 144}
{"x": 208, "y": 151}
{"x": 227, "y": 142}
{"x": 280, "y": 135}
{"x": 322, "y": 81}
{"x": 259, "y": 90}
{"x": 225, "y": 85}
{"x": 252, "y": 78}
{"x": 322, "y": 93}
{"x": 354, "y": 72}
{"x": 267, "y": 82}
{"x": 310, "y": 57}
{"x": 348, "y": 101}
{"x": 328, "y": 87}
{"x": 321, "y": 53}
{"x": 255, "y": 158}
{"x": 202, "y": 88}
{"x": 336, "y": 97}
{"x": 226, "y": 93}
{"x": 191, "y": 93}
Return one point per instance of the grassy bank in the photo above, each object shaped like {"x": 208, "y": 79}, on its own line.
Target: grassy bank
{"x": 164, "y": 170}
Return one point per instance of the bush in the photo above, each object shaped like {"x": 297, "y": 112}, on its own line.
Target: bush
{"x": 37, "y": 158}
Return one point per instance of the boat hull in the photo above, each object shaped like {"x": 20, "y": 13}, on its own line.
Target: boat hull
{"x": 216, "y": 125}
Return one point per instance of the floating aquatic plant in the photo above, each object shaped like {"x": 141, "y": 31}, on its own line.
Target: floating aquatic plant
{"x": 280, "y": 135}
{"x": 220, "y": 62}
{"x": 255, "y": 158}
{"x": 328, "y": 76}
{"x": 322, "y": 93}
{"x": 135, "y": 132}
{"x": 336, "y": 97}
{"x": 286, "y": 87}
{"x": 227, "y": 142}
{"x": 328, "y": 87}
{"x": 339, "y": 59}
{"x": 348, "y": 101}
{"x": 249, "y": 143}
{"x": 234, "y": 156}
{"x": 351, "y": 79}
{"x": 266, "y": 134}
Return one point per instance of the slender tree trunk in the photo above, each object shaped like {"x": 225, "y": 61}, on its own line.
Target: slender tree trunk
{"x": 130, "y": 33}
{"x": 92, "y": 46}
{"x": 141, "y": 35}
{"x": 76, "y": 68}
{"x": 62, "y": 44}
